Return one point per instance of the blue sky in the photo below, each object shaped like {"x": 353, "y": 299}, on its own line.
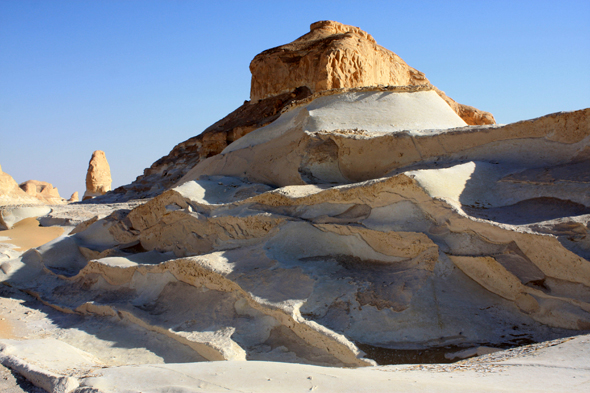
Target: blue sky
{"x": 134, "y": 78}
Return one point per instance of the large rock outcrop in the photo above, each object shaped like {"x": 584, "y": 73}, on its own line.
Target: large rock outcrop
{"x": 29, "y": 192}
{"x": 338, "y": 227}
{"x": 43, "y": 191}
{"x": 326, "y": 238}
{"x": 330, "y": 58}
{"x": 329, "y": 140}
{"x": 98, "y": 177}
{"x": 334, "y": 56}
{"x": 165, "y": 172}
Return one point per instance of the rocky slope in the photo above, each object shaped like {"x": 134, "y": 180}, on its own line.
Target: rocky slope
{"x": 313, "y": 272}
{"x": 331, "y": 57}
{"x": 166, "y": 171}
{"x": 29, "y": 192}
{"x": 344, "y": 228}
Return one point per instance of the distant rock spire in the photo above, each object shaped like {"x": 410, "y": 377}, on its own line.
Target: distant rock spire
{"x": 98, "y": 177}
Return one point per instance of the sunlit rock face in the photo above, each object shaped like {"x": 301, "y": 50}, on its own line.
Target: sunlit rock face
{"x": 43, "y": 191}
{"x": 330, "y": 58}
{"x": 10, "y": 192}
{"x": 341, "y": 224}
{"x": 31, "y": 192}
{"x": 98, "y": 176}
{"x": 334, "y": 56}
{"x": 378, "y": 238}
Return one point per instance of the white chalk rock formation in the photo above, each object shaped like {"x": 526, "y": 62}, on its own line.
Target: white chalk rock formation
{"x": 360, "y": 225}
{"x": 333, "y": 139}
{"x": 335, "y": 56}
{"x": 330, "y": 59}
{"x": 98, "y": 176}
{"x": 31, "y": 192}
{"x": 438, "y": 239}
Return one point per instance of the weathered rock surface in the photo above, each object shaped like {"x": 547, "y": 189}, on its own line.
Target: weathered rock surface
{"x": 10, "y": 215}
{"x": 318, "y": 273}
{"x": 166, "y": 172}
{"x": 334, "y": 56}
{"x": 43, "y": 191}
{"x": 31, "y": 192}
{"x": 35, "y": 187}
{"x": 330, "y": 58}
{"x": 9, "y": 190}
{"x": 307, "y": 274}
{"x": 98, "y": 177}
{"x": 328, "y": 141}
{"x": 74, "y": 197}
{"x": 341, "y": 227}
{"x": 28, "y": 193}
{"x": 116, "y": 358}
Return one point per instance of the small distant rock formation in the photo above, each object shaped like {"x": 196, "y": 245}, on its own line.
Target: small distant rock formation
{"x": 9, "y": 190}
{"x": 360, "y": 221}
{"x": 335, "y": 56}
{"x": 74, "y": 197}
{"x": 29, "y": 192}
{"x": 41, "y": 190}
{"x": 98, "y": 177}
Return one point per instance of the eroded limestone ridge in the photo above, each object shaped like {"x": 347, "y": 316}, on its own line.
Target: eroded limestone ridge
{"x": 40, "y": 189}
{"x": 281, "y": 78}
{"x": 334, "y": 56}
{"x": 98, "y": 177}
{"x": 29, "y": 192}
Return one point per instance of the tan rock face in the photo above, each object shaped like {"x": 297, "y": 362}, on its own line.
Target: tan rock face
{"x": 74, "y": 197}
{"x": 98, "y": 177}
{"x": 40, "y": 189}
{"x": 29, "y": 192}
{"x": 7, "y": 183}
{"x": 333, "y": 56}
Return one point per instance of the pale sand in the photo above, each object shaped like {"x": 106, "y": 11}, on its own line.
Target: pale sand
{"x": 5, "y": 328}
{"x": 27, "y": 234}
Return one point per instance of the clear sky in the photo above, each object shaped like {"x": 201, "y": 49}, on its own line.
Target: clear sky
{"x": 134, "y": 78}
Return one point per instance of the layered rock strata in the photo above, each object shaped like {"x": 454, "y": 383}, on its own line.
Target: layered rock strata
{"x": 166, "y": 172}
{"x": 334, "y": 56}
{"x": 330, "y": 140}
{"x": 338, "y": 227}
{"x": 29, "y": 192}
{"x": 330, "y": 58}
{"x": 482, "y": 242}
{"x": 302, "y": 273}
